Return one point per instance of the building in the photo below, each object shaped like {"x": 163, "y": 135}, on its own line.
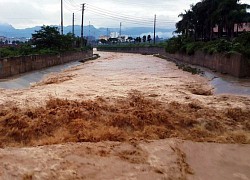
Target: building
{"x": 3, "y": 39}
{"x": 104, "y": 37}
{"x": 114, "y": 34}
{"x": 244, "y": 28}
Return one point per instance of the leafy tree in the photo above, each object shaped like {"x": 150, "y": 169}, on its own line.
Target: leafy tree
{"x": 199, "y": 21}
{"x": 113, "y": 40}
{"x": 144, "y": 38}
{"x": 138, "y": 39}
{"x": 47, "y": 37}
{"x": 149, "y": 38}
{"x": 103, "y": 41}
{"x": 130, "y": 39}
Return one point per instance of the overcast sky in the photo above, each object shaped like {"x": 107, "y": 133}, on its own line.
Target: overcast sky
{"x": 100, "y": 13}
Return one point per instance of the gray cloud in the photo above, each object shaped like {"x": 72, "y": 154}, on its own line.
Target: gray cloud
{"x": 26, "y": 13}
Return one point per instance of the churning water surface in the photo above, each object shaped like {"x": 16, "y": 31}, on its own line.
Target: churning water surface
{"x": 223, "y": 84}
{"x": 26, "y": 80}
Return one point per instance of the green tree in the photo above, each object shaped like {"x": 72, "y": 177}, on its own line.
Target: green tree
{"x": 138, "y": 39}
{"x": 149, "y": 38}
{"x": 200, "y": 20}
{"x": 47, "y": 37}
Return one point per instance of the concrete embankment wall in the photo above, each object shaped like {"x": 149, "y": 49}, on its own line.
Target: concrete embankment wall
{"x": 234, "y": 64}
{"x": 17, "y": 65}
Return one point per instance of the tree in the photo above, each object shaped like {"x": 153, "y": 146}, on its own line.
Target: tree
{"x": 144, "y": 38}
{"x": 138, "y": 39}
{"x": 113, "y": 40}
{"x": 47, "y": 37}
{"x": 103, "y": 41}
{"x": 130, "y": 39}
{"x": 200, "y": 20}
{"x": 149, "y": 38}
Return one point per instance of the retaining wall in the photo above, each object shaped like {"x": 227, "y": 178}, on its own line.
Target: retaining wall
{"x": 235, "y": 64}
{"x": 17, "y": 65}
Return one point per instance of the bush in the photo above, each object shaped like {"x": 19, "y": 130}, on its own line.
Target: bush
{"x": 8, "y": 52}
{"x": 223, "y": 45}
{"x": 240, "y": 44}
{"x": 174, "y": 44}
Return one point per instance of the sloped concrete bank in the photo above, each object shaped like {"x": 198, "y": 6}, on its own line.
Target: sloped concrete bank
{"x": 17, "y": 65}
{"x": 234, "y": 64}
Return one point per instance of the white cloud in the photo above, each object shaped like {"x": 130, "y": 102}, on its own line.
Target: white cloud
{"x": 27, "y": 13}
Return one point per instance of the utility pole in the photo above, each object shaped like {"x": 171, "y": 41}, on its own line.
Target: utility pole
{"x": 62, "y": 17}
{"x": 107, "y": 33}
{"x": 120, "y": 29}
{"x": 89, "y": 28}
{"x": 73, "y": 25}
{"x": 83, "y": 8}
{"x": 154, "y": 28}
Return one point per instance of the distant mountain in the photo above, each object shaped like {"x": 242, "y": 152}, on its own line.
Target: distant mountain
{"x": 9, "y": 31}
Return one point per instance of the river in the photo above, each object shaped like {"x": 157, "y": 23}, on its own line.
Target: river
{"x": 223, "y": 84}
{"x": 26, "y": 80}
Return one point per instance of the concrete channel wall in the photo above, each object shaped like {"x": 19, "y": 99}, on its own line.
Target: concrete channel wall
{"x": 235, "y": 64}
{"x": 17, "y": 65}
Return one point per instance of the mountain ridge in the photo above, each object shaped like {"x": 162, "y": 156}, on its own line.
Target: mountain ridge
{"x": 9, "y": 31}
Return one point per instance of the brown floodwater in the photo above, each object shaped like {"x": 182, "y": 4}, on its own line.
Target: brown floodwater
{"x": 223, "y": 84}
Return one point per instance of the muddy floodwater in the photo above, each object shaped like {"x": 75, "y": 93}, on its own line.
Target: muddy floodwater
{"x": 223, "y": 84}
{"x": 26, "y": 80}
{"x": 124, "y": 116}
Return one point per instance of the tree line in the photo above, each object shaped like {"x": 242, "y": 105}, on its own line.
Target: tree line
{"x": 200, "y": 20}
{"x": 47, "y": 40}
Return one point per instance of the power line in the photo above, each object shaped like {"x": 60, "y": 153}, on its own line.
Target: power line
{"x": 116, "y": 14}
{"x": 121, "y": 17}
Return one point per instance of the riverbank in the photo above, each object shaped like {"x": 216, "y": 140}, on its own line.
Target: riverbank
{"x": 17, "y": 65}
{"x": 234, "y": 64}
{"x": 131, "y": 99}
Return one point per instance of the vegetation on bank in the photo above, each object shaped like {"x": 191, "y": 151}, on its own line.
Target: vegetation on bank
{"x": 209, "y": 19}
{"x": 240, "y": 44}
{"x": 47, "y": 40}
{"x": 212, "y": 26}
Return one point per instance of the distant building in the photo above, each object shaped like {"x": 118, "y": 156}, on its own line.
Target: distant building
{"x": 114, "y": 34}
{"x": 244, "y": 28}
{"x": 10, "y": 41}
{"x": 3, "y": 39}
{"x": 104, "y": 37}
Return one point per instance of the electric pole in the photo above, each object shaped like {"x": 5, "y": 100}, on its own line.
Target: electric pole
{"x": 62, "y": 17}
{"x": 154, "y": 28}
{"x": 73, "y": 25}
{"x": 89, "y": 28}
{"x": 120, "y": 29}
{"x": 83, "y": 8}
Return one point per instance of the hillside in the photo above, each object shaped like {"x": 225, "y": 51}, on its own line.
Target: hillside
{"x": 9, "y": 31}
